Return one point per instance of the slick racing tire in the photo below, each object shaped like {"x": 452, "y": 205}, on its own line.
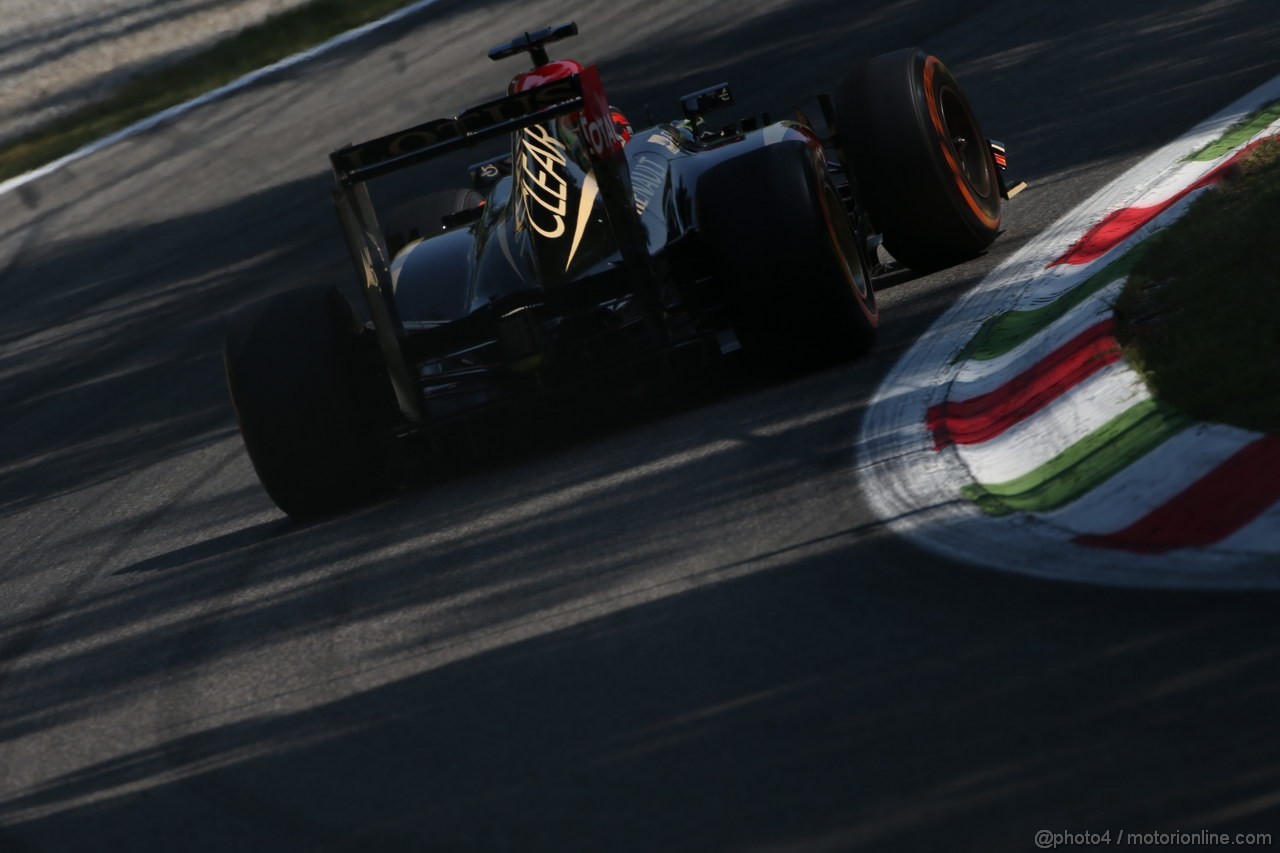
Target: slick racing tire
{"x": 303, "y": 402}
{"x": 923, "y": 167}
{"x": 796, "y": 283}
{"x": 424, "y": 216}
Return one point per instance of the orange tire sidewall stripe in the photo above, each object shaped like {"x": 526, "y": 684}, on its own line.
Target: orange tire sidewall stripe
{"x": 827, "y": 214}
{"x": 931, "y": 64}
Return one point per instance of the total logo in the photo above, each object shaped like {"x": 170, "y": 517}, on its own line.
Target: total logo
{"x": 600, "y": 134}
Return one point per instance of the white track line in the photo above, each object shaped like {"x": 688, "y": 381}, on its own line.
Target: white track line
{"x": 1039, "y": 439}
{"x": 1152, "y": 480}
{"x": 975, "y": 378}
{"x": 208, "y": 97}
{"x": 1259, "y": 535}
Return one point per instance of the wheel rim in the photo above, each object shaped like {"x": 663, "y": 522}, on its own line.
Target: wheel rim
{"x": 965, "y": 141}
{"x": 844, "y": 240}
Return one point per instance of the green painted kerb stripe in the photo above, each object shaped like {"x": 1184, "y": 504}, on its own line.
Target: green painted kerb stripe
{"x": 1084, "y": 465}
{"x": 1239, "y": 134}
{"x": 1003, "y": 332}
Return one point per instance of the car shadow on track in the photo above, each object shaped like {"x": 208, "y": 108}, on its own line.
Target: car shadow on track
{"x": 810, "y": 698}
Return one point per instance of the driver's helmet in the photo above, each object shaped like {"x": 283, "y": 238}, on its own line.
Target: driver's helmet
{"x": 620, "y": 124}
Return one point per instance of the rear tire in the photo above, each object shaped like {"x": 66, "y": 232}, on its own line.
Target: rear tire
{"x": 796, "y": 283}
{"x": 923, "y": 166}
{"x": 303, "y": 402}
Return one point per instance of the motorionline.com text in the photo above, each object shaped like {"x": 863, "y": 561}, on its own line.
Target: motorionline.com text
{"x": 1049, "y": 840}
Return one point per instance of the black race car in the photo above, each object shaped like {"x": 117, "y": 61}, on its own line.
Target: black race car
{"x": 595, "y": 251}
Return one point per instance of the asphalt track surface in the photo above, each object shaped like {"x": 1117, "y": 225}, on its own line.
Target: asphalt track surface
{"x": 682, "y": 631}
{"x": 60, "y": 55}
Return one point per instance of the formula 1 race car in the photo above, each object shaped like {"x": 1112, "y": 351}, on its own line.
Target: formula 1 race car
{"x": 594, "y": 251}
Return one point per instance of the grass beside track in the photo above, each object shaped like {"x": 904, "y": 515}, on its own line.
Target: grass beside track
{"x": 148, "y": 93}
{"x": 1200, "y": 314}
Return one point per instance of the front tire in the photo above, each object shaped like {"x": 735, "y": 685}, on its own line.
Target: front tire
{"x": 303, "y": 401}
{"x": 922, "y": 163}
{"x": 796, "y": 283}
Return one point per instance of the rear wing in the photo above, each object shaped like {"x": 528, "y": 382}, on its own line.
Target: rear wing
{"x": 353, "y": 165}
{"x": 363, "y": 161}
